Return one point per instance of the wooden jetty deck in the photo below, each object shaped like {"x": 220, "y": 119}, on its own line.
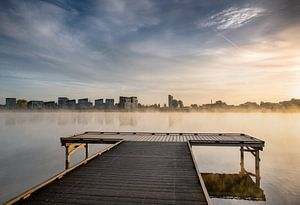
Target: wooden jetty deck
{"x": 228, "y": 139}
{"x": 139, "y": 168}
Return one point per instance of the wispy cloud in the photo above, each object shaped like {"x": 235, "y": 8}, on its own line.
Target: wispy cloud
{"x": 231, "y": 18}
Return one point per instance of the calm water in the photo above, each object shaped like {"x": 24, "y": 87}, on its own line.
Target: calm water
{"x": 30, "y": 149}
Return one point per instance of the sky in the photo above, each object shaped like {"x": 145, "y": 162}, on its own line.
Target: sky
{"x": 196, "y": 50}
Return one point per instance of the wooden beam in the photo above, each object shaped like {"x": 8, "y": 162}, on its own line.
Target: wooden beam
{"x": 65, "y": 141}
{"x": 86, "y": 150}
{"x": 242, "y": 161}
{"x": 76, "y": 148}
{"x": 225, "y": 143}
{"x": 67, "y": 157}
{"x": 257, "y": 168}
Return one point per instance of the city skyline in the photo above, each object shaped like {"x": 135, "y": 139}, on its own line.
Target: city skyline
{"x": 236, "y": 51}
{"x": 132, "y": 104}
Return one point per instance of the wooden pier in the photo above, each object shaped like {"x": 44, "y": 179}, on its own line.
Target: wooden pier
{"x": 138, "y": 168}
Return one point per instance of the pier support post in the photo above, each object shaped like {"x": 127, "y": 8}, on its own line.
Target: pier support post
{"x": 86, "y": 150}
{"x": 257, "y": 171}
{"x": 242, "y": 163}
{"x": 67, "y": 156}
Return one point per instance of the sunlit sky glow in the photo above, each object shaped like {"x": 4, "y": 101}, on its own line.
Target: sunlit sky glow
{"x": 197, "y": 50}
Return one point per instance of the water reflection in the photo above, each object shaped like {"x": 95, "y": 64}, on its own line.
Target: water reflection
{"x": 70, "y": 118}
{"x": 233, "y": 186}
{"x": 174, "y": 119}
{"x": 10, "y": 121}
{"x": 128, "y": 120}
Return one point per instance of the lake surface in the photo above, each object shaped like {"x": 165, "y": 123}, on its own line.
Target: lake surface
{"x": 30, "y": 149}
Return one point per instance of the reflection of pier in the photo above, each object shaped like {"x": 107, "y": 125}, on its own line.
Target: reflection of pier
{"x": 237, "y": 186}
{"x": 139, "y": 168}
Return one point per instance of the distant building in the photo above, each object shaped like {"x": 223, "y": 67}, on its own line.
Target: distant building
{"x": 84, "y": 103}
{"x": 128, "y": 102}
{"x": 99, "y": 104}
{"x": 170, "y": 101}
{"x": 62, "y": 102}
{"x": 11, "y": 103}
{"x": 134, "y": 102}
{"x": 124, "y": 102}
{"x": 218, "y": 105}
{"x": 50, "y": 105}
{"x": 35, "y": 105}
{"x": 71, "y": 104}
{"x": 109, "y": 103}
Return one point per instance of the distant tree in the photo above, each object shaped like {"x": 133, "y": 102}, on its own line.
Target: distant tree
{"x": 180, "y": 103}
{"x": 21, "y": 103}
{"x": 270, "y": 106}
{"x": 249, "y": 105}
{"x": 194, "y": 106}
{"x": 175, "y": 103}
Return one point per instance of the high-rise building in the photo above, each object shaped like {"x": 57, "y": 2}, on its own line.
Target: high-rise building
{"x": 11, "y": 103}
{"x": 109, "y": 103}
{"x": 84, "y": 103}
{"x": 134, "y": 102}
{"x": 62, "y": 102}
{"x": 50, "y": 105}
{"x": 128, "y": 102}
{"x": 170, "y": 101}
{"x": 124, "y": 102}
{"x": 35, "y": 104}
{"x": 71, "y": 104}
{"x": 99, "y": 104}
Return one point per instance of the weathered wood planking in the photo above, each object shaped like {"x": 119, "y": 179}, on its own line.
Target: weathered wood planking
{"x": 130, "y": 173}
{"x": 203, "y": 139}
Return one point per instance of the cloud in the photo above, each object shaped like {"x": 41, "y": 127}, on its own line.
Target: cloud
{"x": 126, "y": 16}
{"x": 231, "y": 18}
{"x": 139, "y": 47}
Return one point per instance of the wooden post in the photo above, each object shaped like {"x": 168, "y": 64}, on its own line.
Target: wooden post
{"x": 242, "y": 163}
{"x": 67, "y": 157}
{"x": 86, "y": 150}
{"x": 257, "y": 171}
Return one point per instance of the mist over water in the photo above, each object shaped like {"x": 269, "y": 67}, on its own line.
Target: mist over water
{"x": 30, "y": 149}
